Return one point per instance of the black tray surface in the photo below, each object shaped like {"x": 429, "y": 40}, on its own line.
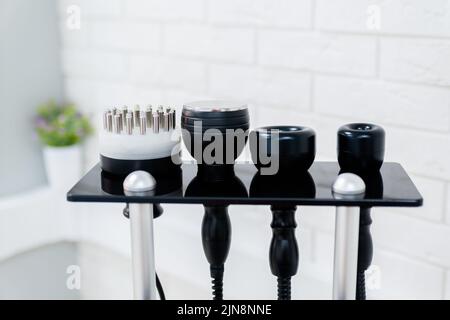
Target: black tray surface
{"x": 391, "y": 187}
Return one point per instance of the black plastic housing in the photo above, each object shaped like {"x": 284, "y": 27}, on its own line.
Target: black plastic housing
{"x": 360, "y": 147}
{"x": 296, "y": 147}
{"x": 228, "y": 123}
{"x": 157, "y": 167}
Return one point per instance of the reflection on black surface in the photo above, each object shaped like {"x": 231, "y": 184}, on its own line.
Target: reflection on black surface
{"x": 113, "y": 184}
{"x": 231, "y": 186}
{"x": 299, "y": 185}
{"x": 389, "y": 187}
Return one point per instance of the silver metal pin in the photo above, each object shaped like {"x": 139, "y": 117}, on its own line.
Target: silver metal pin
{"x": 149, "y": 117}
{"x": 172, "y": 119}
{"x": 105, "y": 120}
{"x": 109, "y": 123}
{"x": 120, "y": 121}
{"x": 161, "y": 116}
{"x": 166, "y": 122}
{"x": 155, "y": 122}
{"x": 124, "y": 116}
{"x": 116, "y": 123}
{"x": 136, "y": 115}
{"x": 143, "y": 123}
{"x": 129, "y": 123}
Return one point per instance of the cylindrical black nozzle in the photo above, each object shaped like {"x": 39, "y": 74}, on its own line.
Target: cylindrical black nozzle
{"x": 360, "y": 147}
{"x": 214, "y": 132}
{"x": 293, "y": 147}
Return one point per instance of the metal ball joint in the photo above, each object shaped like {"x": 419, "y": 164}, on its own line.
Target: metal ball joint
{"x": 139, "y": 182}
{"x": 348, "y": 185}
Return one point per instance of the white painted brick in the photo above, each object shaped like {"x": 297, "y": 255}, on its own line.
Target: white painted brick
{"x": 178, "y": 97}
{"x": 168, "y": 72}
{"x": 117, "y": 94}
{"x": 94, "y": 96}
{"x": 411, "y": 17}
{"x": 216, "y": 43}
{"x": 433, "y": 192}
{"x": 92, "y": 8}
{"x": 94, "y": 64}
{"x": 267, "y": 116}
{"x": 405, "y": 278}
{"x": 414, "y": 237}
{"x": 379, "y": 101}
{"x": 416, "y": 60}
{"x": 80, "y": 92}
{"x": 126, "y": 35}
{"x": 192, "y": 10}
{"x": 319, "y": 52}
{"x": 420, "y": 152}
{"x": 75, "y": 38}
{"x": 285, "y": 13}
{"x": 285, "y": 89}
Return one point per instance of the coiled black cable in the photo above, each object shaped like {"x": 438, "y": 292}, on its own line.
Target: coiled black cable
{"x": 283, "y": 254}
{"x": 284, "y": 288}
{"x": 360, "y": 286}
{"x": 217, "y": 282}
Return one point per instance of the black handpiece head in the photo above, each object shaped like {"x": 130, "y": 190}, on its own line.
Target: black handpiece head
{"x": 360, "y": 147}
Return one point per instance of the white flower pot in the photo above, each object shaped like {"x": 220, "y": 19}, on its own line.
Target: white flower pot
{"x": 63, "y": 166}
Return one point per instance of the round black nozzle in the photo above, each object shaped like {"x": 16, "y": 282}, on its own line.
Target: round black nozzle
{"x": 360, "y": 147}
{"x": 292, "y": 147}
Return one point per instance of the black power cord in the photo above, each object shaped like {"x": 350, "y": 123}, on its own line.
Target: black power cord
{"x": 365, "y": 252}
{"x": 283, "y": 252}
{"x": 160, "y": 289}
{"x": 216, "y": 239}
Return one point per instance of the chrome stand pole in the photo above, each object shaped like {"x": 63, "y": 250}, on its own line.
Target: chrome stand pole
{"x": 140, "y": 183}
{"x": 346, "y": 186}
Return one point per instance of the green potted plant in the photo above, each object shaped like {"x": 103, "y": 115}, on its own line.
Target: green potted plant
{"x": 61, "y": 129}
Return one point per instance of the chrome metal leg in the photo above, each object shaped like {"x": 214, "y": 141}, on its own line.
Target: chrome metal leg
{"x": 143, "y": 251}
{"x": 142, "y": 243}
{"x": 346, "y": 186}
{"x": 346, "y": 253}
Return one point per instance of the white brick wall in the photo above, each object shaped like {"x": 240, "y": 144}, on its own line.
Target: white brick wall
{"x": 312, "y": 62}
